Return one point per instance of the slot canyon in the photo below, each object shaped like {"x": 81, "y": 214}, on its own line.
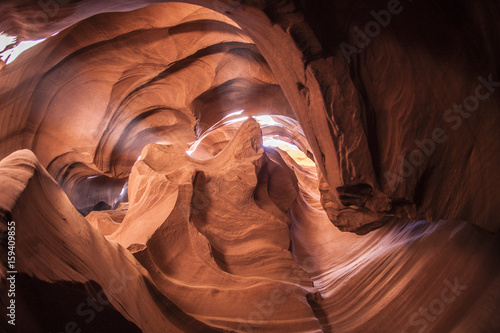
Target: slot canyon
{"x": 250, "y": 166}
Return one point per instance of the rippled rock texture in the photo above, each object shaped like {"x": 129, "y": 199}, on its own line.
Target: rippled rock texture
{"x": 140, "y": 166}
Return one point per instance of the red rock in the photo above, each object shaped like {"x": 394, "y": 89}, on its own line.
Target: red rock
{"x": 130, "y": 116}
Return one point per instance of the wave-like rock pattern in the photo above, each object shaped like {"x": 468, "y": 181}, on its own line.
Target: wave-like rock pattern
{"x": 54, "y": 243}
{"x": 382, "y": 130}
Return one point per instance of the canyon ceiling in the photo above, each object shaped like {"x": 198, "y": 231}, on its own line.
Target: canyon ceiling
{"x": 252, "y": 166}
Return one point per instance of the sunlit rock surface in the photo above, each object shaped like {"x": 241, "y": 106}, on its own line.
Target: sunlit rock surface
{"x": 236, "y": 166}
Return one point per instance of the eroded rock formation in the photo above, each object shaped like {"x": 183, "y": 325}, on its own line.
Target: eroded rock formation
{"x": 145, "y": 199}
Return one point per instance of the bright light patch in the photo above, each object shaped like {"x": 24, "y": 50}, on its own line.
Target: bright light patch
{"x": 6, "y": 40}
{"x": 10, "y": 55}
{"x": 265, "y": 120}
{"x": 237, "y": 113}
{"x": 292, "y": 150}
{"x": 268, "y": 141}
